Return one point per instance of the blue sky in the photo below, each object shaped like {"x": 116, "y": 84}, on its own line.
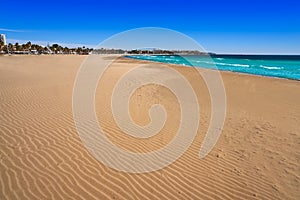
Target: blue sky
{"x": 263, "y": 27}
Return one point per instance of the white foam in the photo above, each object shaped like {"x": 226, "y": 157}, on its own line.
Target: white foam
{"x": 268, "y": 67}
{"x": 226, "y": 64}
{"x": 240, "y": 65}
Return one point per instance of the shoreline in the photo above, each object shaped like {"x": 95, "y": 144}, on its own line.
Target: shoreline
{"x": 221, "y": 71}
{"x": 177, "y": 65}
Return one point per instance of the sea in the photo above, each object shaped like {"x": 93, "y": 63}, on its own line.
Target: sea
{"x": 280, "y": 66}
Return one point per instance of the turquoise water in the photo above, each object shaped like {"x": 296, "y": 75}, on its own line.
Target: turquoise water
{"x": 273, "y": 66}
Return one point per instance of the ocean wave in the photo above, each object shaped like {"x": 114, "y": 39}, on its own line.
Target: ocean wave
{"x": 232, "y": 64}
{"x": 286, "y": 69}
{"x": 269, "y": 67}
{"x": 228, "y": 64}
{"x": 240, "y": 65}
{"x": 224, "y": 64}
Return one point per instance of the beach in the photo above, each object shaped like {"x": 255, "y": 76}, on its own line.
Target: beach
{"x": 42, "y": 156}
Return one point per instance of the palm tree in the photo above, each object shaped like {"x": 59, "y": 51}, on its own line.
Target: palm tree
{"x": 28, "y": 45}
{"x": 59, "y": 49}
{"x": 54, "y": 48}
{"x": 23, "y": 47}
{"x": 10, "y": 47}
{"x": 1, "y": 45}
{"x": 66, "y": 50}
{"x": 39, "y": 49}
{"x": 17, "y": 46}
{"x": 79, "y": 50}
{"x": 46, "y": 50}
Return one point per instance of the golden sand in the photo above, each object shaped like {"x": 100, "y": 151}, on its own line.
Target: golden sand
{"x": 42, "y": 157}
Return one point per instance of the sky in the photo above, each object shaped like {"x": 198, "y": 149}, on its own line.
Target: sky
{"x": 232, "y": 26}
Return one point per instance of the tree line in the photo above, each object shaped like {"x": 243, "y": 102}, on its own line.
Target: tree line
{"x": 29, "y": 48}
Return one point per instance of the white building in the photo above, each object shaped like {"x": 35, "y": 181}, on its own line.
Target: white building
{"x": 3, "y": 38}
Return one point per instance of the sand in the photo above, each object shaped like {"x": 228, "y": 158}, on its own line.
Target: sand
{"x": 42, "y": 157}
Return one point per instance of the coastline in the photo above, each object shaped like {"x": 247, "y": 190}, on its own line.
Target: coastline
{"x": 220, "y": 70}
{"x": 171, "y": 64}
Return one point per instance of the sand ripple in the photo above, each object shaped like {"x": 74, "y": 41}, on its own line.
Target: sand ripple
{"x": 42, "y": 156}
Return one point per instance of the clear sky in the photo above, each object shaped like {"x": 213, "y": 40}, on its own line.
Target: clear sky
{"x": 232, "y": 26}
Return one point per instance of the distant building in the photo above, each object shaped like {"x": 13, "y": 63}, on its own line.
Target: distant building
{"x": 3, "y": 38}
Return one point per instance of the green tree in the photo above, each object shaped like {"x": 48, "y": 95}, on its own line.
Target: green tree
{"x": 54, "y": 48}
{"x": 28, "y": 45}
{"x": 39, "y": 49}
{"x": 66, "y": 50}
{"x": 1, "y": 45}
{"x": 79, "y": 50}
{"x": 17, "y": 46}
{"x": 10, "y": 47}
{"x": 23, "y": 47}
